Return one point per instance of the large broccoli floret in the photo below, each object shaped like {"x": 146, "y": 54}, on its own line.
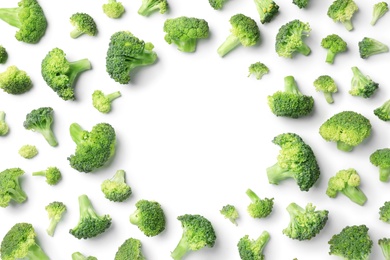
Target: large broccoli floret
{"x": 113, "y": 9}
{"x": 370, "y": 46}
{"x": 4, "y": 128}
{"x": 29, "y": 18}
{"x": 15, "y": 81}
{"x": 148, "y": 7}
{"x": 342, "y": 11}
{"x": 20, "y": 243}
{"x": 362, "y": 85}
{"x": 102, "y": 102}
{"x": 352, "y": 243}
{"x": 244, "y": 31}
{"x": 149, "y": 217}
{"x": 198, "y": 233}
{"x": 130, "y": 249}
{"x": 290, "y": 102}
{"x": 334, "y": 44}
{"x": 40, "y": 120}
{"x": 185, "y": 32}
{"x": 55, "y": 211}
{"x": 296, "y": 160}
{"x": 258, "y": 69}
{"x": 10, "y": 188}
{"x": 379, "y": 10}
{"x": 384, "y": 244}
{"x": 384, "y": 212}
{"x": 217, "y": 4}
{"x": 326, "y": 85}
{"x": 82, "y": 24}
{"x": 52, "y": 175}
{"x": 381, "y": 158}
{"x": 348, "y": 129}
{"x": 126, "y": 52}
{"x": 383, "y": 112}
{"x": 28, "y": 151}
{"x": 230, "y": 212}
{"x": 301, "y": 3}
{"x": 259, "y": 208}
{"x": 116, "y": 188}
{"x": 3, "y": 55}
{"x": 267, "y": 10}
{"x": 60, "y": 74}
{"x": 253, "y": 249}
{"x": 80, "y": 256}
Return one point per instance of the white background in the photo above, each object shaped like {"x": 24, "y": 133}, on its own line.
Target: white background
{"x": 194, "y": 132}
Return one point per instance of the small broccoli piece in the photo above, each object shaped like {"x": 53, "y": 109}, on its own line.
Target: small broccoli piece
{"x": 15, "y": 81}
{"x": 230, "y": 212}
{"x": 90, "y": 223}
{"x": 4, "y": 128}
{"x": 149, "y": 217}
{"x": 384, "y": 244}
{"x": 3, "y": 55}
{"x": 267, "y": 10}
{"x": 379, "y": 10}
{"x": 130, "y": 249}
{"x": 347, "y": 182}
{"x": 259, "y": 208}
{"x": 10, "y": 188}
{"x": 93, "y": 149}
{"x": 348, "y": 129}
{"x": 198, "y": 233}
{"x": 217, "y": 4}
{"x": 362, "y": 85}
{"x": 55, "y": 211}
{"x": 289, "y": 39}
{"x": 253, "y": 249}
{"x": 148, "y": 7}
{"x": 82, "y": 24}
{"x": 113, "y": 9}
{"x": 102, "y": 102}
{"x": 334, "y": 44}
{"x": 28, "y": 151}
{"x": 80, "y": 256}
{"x": 40, "y": 120}
{"x": 116, "y": 188}
{"x": 370, "y": 46}
{"x": 352, "y": 243}
{"x": 290, "y": 102}
{"x": 29, "y": 18}
{"x": 342, "y": 11}
{"x": 327, "y": 85}
{"x": 301, "y": 3}
{"x": 258, "y": 69}
{"x": 20, "y": 243}
{"x": 296, "y": 160}
{"x": 125, "y": 53}
{"x": 52, "y": 175}
{"x": 244, "y": 31}
{"x": 185, "y": 32}
{"x": 381, "y": 158}
{"x": 384, "y": 212}
{"x": 60, "y": 74}
{"x": 383, "y": 112}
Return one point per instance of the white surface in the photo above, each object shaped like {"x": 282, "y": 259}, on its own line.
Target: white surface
{"x": 193, "y": 131}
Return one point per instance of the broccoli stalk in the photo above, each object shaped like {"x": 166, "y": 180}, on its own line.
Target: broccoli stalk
{"x": 55, "y": 211}
{"x": 150, "y": 6}
{"x": 379, "y": 10}
{"x": 259, "y": 208}
{"x": 102, "y": 102}
{"x": 80, "y": 256}
{"x": 4, "y": 128}
{"x": 383, "y": 112}
{"x": 253, "y": 249}
{"x": 267, "y": 10}
{"x": 384, "y": 244}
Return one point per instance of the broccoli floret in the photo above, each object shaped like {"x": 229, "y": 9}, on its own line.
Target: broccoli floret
{"x": 352, "y": 243}
{"x": 384, "y": 212}
{"x": 334, "y": 44}
{"x": 60, "y": 74}
{"x": 80, "y": 256}
{"x": 290, "y": 102}
{"x": 55, "y": 211}
{"x": 258, "y": 69}
{"x": 90, "y": 223}
{"x": 295, "y": 160}
{"x": 230, "y": 212}
{"x": 28, "y": 151}
{"x": 82, "y": 24}
{"x": 362, "y": 85}
{"x": 148, "y": 7}
{"x": 301, "y": 3}
{"x": 102, "y": 102}
{"x": 379, "y": 10}
{"x": 116, "y": 188}
{"x": 384, "y": 244}
{"x": 289, "y": 39}
{"x": 267, "y": 10}
{"x": 347, "y": 182}
{"x": 3, "y": 55}
{"x": 29, "y": 18}
{"x": 113, "y": 9}
{"x": 185, "y": 32}
{"x": 381, "y": 158}
{"x": 305, "y": 223}
{"x": 130, "y": 249}
{"x": 326, "y": 85}
{"x": 4, "y": 128}
{"x": 126, "y": 52}
{"x": 259, "y": 208}
{"x": 40, "y": 120}
{"x": 149, "y": 217}
{"x": 370, "y": 46}
{"x": 217, "y": 4}
{"x": 342, "y": 11}
{"x": 15, "y": 81}
{"x": 250, "y": 249}
{"x": 93, "y": 149}
{"x": 348, "y": 129}
{"x": 20, "y": 243}
{"x": 10, "y": 188}
{"x": 244, "y": 31}
{"x": 52, "y": 175}
{"x": 383, "y": 112}
{"x": 198, "y": 233}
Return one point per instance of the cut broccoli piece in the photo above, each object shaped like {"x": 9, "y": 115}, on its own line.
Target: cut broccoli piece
{"x": 253, "y": 249}
{"x": 4, "y": 128}
{"x": 102, "y": 102}
{"x": 149, "y": 217}
{"x": 230, "y": 212}
{"x": 379, "y": 10}
{"x": 342, "y": 11}
{"x": 10, "y": 188}
{"x": 3, "y": 55}
{"x": 259, "y": 208}
{"x": 116, "y": 188}
{"x": 384, "y": 244}
{"x": 28, "y": 151}
{"x": 301, "y": 3}
{"x": 149, "y": 7}
{"x": 267, "y": 10}
{"x": 335, "y": 45}
{"x": 217, "y": 4}
{"x": 82, "y": 24}
{"x": 113, "y": 9}
{"x": 362, "y": 85}
{"x": 15, "y": 81}
{"x": 52, "y": 175}
{"x": 381, "y": 158}
{"x": 55, "y": 211}
{"x": 370, "y": 46}
{"x": 130, "y": 249}
{"x": 326, "y": 85}
{"x": 383, "y": 112}
{"x": 80, "y": 256}
{"x": 384, "y": 212}
{"x": 258, "y": 69}
{"x": 40, "y": 120}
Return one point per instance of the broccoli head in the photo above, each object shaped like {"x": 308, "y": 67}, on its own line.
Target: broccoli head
{"x": 370, "y": 46}
{"x": 52, "y": 175}
{"x": 230, "y": 212}
{"x": 80, "y": 256}
{"x": 326, "y": 85}
{"x": 334, "y": 44}
{"x": 384, "y": 212}
{"x": 130, "y": 249}
{"x": 40, "y": 120}
{"x": 384, "y": 244}
{"x": 250, "y": 249}
{"x": 342, "y": 11}
{"x": 28, "y": 151}
{"x": 259, "y": 208}
{"x": 113, "y": 9}
{"x": 296, "y": 160}
{"x": 149, "y": 7}
{"x": 217, "y": 4}
{"x": 362, "y": 85}
{"x": 149, "y": 217}
{"x": 379, "y": 10}
{"x": 10, "y": 188}
{"x": 381, "y": 158}
{"x": 102, "y": 102}
{"x": 383, "y": 112}
{"x": 15, "y": 81}
{"x": 301, "y": 3}
{"x": 4, "y": 128}
{"x": 82, "y": 24}
{"x": 116, "y": 188}
{"x": 258, "y": 69}
{"x": 55, "y": 211}
{"x": 3, "y": 55}
{"x": 267, "y": 10}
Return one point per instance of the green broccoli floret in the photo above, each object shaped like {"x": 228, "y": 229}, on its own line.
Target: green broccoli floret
{"x": 28, "y": 151}
{"x": 384, "y": 244}
{"x": 29, "y": 18}
{"x": 185, "y": 32}
{"x": 4, "y": 128}
{"x": 301, "y": 3}
{"x": 289, "y": 39}
{"x": 348, "y": 129}
{"x": 250, "y": 249}
{"x": 370, "y": 46}
{"x": 383, "y": 112}
{"x": 335, "y": 45}
{"x": 295, "y": 160}
{"x": 20, "y": 243}
{"x": 347, "y": 182}
{"x": 10, "y": 188}
{"x": 149, "y": 217}
{"x": 244, "y": 31}
{"x": 52, "y": 175}
{"x": 352, "y": 243}
{"x": 290, "y": 102}
{"x": 102, "y": 102}
{"x": 258, "y": 69}
{"x": 198, "y": 233}
{"x": 93, "y": 149}
{"x": 130, "y": 249}
{"x": 80, "y": 256}
{"x": 113, "y": 9}
{"x": 148, "y": 7}
{"x": 116, "y": 188}
{"x": 90, "y": 223}
{"x": 267, "y": 10}
{"x": 217, "y": 4}
{"x": 379, "y": 10}
{"x": 326, "y": 85}
{"x": 40, "y": 120}
{"x": 342, "y": 11}
{"x": 305, "y": 223}
{"x": 3, "y": 55}
{"x": 126, "y": 52}
{"x": 82, "y": 24}
{"x": 230, "y": 212}
{"x": 15, "y": 81}
{"x": 384, "y": 212}
{"x": 55, "y": 211}
{"x": 381, "y": 158}
{"x": 362, "y": 85}
{"x": 259, "y": 208}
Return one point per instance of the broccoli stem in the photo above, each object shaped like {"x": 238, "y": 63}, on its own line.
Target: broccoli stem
{"x": 119, "y": 176}
{"x": 262, "y": 241}
{"x": 35, "y": 252}
{"x": 2, "y": 116}
{"x": 40, "y": 173}
{"x": 18, "y": 194}
{"x": 230, "y": 43}
{"x": 384, "y": 174}
{"x": 77, "y": 67}
{"x": 134, "y": 218}
{"x": 86, "y": 208}
{"x": 291, "y": 86}
{"x": 113, "y": 96}
{"x": 294, "y": 209}
{"x": 276, "y": 174}
{"x": 52, "y": 226}
{"x": 344, "y": 147}
{"x": 328, "y": 97}
{"x": 354, "y": 194}
{"x": 330, "y": 56}
{"x": 186, "y": 46}
{"x": 304, "y": 49}
{"x": 75, "y": 33}
{"x": 252, "y": 195}
{"x": 11, "y": 16}
{"x": 148, "y": 7}
{"x": 144, "y": 59}
{"x": 348, "y": 25}
{"x": 181, "y": 249}
{"x": 49, "y": 136}
{"x": 77, "y": 133}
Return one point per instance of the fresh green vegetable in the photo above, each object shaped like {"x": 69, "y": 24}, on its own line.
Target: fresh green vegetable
{"x": 258, "y": 69}
{"x": 80, "y": 256}
{"x": 335, "y": 45}
{"x": 130, "y": 250}
{"x": 253, "y": 249}
{"x": 370, "y": 46}
{"x": 149, "y": 217}
{"x": 15, "y": 81}
{"x": 217, "y": 4}
{"x": 381, "y": 158}
{"x": 383, "y": 111}
{"x": 379, "y": 10}
{"x": 10, "y": 188}
{"x": 326, "y": 85}
{"x": 259, "y": 208}
{"x": 149, "y": 7}
{"x": 52, "y": 175}
{"x": 362, "y": 85}
{"x": 40, "y": 120}
{"x": 102, "y": 102}
{"x": 384, "y": 244}
{"x": 230, "y": 212}
{"x": 4, "y": 128}
{"x": 384, "y": 212}
{"x": 55, "y": 211}
{"x": 113, "y": 9}
{"x": 267, "y": 10}
{"x": 342, "y": 11}
{"x": 28, "y": 151}
{"x": 301, "y": 3}
{"x": 116, "y": 189}
{"x": 3, "y": 55}
{"x": 82, "y": 24}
